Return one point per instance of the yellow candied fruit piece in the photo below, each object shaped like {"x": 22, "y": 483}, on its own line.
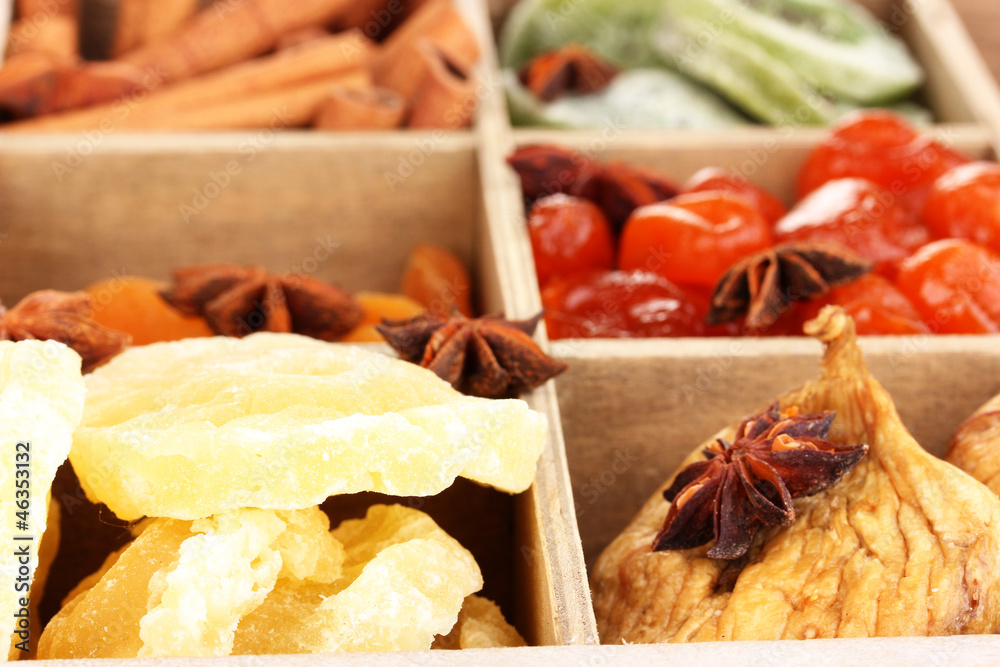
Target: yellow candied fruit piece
{"x": 280, "y": 421}
{"x": 480, "y": 625}
{"x": 241, "y": 583}
{"x": 181, "y": 587}
{"x": 41, "y": 401}
{"x": 403, "y": 580}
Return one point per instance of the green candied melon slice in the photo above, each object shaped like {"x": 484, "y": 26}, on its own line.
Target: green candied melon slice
{"x": 779, "y": 60}
{"x": 834, "y": 46}
{"x": 639, "y": 98}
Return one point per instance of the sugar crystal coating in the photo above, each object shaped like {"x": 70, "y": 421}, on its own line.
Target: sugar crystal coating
{"x": 279, "y": 421}
{"x": 41, "y": 401}
{"x": 264, "y": 581}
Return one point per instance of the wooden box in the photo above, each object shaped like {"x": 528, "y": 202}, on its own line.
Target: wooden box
{"x": 347, "y": 208}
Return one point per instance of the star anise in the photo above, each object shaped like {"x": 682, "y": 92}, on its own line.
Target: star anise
{"x": 546, "y": 170}
{"x": 617, "y": 188}
{"x": 239, "y": 300}
{"x": 748, "y": 484}
{"x": 488, "y": 356}
{"x": 625, "y": 188}
{"x": 65, "y": 317}
{"x": 763, "y": 285}
{"x": 569, "y": 69}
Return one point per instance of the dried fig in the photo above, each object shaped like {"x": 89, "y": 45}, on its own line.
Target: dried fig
{"x": 904, "y": 544}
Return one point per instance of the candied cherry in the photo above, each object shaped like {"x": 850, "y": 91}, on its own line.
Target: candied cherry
{"x": 693, "y": 238}
{"x": 877, "y": 306}
{"x": 955, "y": 285}
{"x": 859, "y": 215}
{"x": 716, "y": 178}
{"x": 965, "y": 203}
{"x": 621, "y": 304}
{"x": 882, "y": 147}
{"x": 569, "y": 235}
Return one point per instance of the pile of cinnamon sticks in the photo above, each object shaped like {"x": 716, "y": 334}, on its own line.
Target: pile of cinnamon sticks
{"x": 243, "y": 64}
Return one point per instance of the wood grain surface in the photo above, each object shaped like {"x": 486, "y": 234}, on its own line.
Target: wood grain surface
{"x": 982, "y": 20}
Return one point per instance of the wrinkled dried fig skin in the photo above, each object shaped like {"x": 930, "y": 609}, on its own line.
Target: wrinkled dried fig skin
{"x": 975, "y": 447}
{"x": 905, "y": 545}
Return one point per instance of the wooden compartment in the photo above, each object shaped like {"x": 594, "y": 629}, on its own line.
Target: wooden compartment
{"x": 634, "y": 409}
{"x": 958, "y": 87}
{"x": 324, "y": 207}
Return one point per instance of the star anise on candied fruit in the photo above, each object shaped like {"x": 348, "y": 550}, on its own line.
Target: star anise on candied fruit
{"x": 763, "y": 285}
{"x": 65, "y": 317}
{"x": 487, "y": 356}
{"x": 546, "y": 170}
{"x": 239, "y": 300}
{"x": 568, "y": 69}
{"x": 743, "y": 486}
{"x": 625, "y": 188}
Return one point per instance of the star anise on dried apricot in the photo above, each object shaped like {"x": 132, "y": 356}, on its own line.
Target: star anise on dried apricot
{"x": 763, "y": 285}
{"x": 744, "y": 486}
{"x": 240, "y": 300}
{"x": 65, "y": 317}
{"x": 487, "y": 356}
{"x": 568, "y": 69}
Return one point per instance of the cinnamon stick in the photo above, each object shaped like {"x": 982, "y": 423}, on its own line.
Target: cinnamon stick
{"x": 446, "y": 96}
{"x": 290, "y": 107}
{"x": 56, "y": 36}
{"x": 301, "y": 36}
{"x": 360, "y": 109}
{"x": 319, "y": 59}
{"x": 35, "y": 84}
{"x": 27, "y": 8}
{"x": 436, "y": 21}
{"x": 230, "y": 31}
{"x": 149, "y": 22}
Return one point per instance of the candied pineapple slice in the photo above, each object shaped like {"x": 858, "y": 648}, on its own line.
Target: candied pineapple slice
{"x": 262, "y": 581}
{"x": 279, "y": 421}
{"x": 480, "y": 625}
{"x": 181, "y": 587}
{"x": 41, "y": 401}
{"x": 904, "y": 545}
{"x": 404, "y": 580}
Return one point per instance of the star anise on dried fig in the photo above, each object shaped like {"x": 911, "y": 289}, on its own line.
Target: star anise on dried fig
{"x": 487, "y": 356}
{"x": 748, "y": 484}
{"x": 240, "y": 300}
{"x": 763, "y": 285}
{"x": 568, "y": 69}
{"x": 65, "y": 317}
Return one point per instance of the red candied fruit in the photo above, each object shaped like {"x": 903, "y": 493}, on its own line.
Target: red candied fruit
{"x": 569, "y": 235}
{"x": 965, "y": 203}
{"x": 716, "y": 178}
{"x": 955, "y": 285}
{"x": 859, "y": 215}
{"x": 882, "y": 147}
{"x": 877, "y": 306}
{"x": 693, "y": 238}
{"x": 621, "y": 304}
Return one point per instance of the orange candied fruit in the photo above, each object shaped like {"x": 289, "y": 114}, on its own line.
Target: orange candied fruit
{"x": 377, "y": 305}
{"x": 437, "y": 279}
{"x": 133, "y": 304}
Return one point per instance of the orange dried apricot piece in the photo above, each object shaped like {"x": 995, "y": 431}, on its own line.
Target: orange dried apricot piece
{"x": 133, "y": 304}
{"x": 436, "y": 278}
{"x": 378, "y": 305}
